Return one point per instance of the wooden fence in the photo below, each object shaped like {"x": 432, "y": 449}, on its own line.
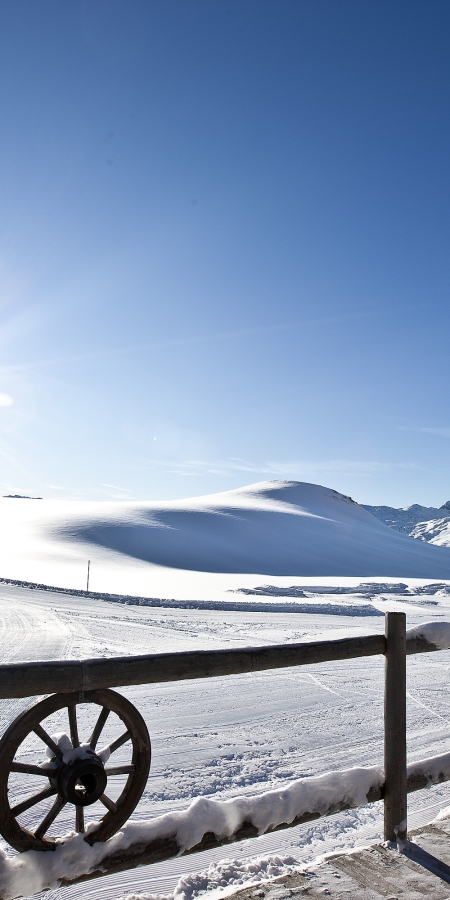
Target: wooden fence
{"x": 31, "y": 679}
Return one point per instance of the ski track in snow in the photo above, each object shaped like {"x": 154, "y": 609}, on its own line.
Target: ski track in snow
{"x": 267, "y": 729}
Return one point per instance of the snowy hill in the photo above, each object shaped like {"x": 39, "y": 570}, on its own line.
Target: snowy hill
{"x": 426, "y": 523}
{"x": 277, "y": 528}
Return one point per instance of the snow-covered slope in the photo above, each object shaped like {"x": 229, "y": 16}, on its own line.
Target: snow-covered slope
{"x": 436, "y": 531}
{"x": 277, "y": 528}
{"x": 426, "y": 523}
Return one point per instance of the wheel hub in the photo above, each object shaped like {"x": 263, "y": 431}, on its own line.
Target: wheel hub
{"x": 83, "y": 782}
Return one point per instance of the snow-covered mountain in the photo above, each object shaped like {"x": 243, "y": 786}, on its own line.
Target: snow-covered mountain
{"x": 276, "y": 528}
{"x": 426, "y": 523}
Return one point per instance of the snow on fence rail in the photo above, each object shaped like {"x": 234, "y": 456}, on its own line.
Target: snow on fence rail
{"x": 210, "y": 823}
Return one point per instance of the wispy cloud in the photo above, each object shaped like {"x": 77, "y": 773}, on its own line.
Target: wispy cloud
{"x": 358, "y": 468}
{"x": 7, "y": 454}
{"x": 6, "y": 400}
{"x": 300, "y": 470}
{"x": 211, "y": 337}
{"x": 115, "y": 487}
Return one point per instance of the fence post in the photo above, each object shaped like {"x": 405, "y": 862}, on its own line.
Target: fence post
{"x": 395, "y": 797}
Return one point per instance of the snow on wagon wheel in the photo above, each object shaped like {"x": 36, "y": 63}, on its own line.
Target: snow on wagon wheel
{"x": 74, "y": 773}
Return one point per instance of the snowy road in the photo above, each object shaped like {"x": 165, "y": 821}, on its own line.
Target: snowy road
{"x": 241, "y": 734}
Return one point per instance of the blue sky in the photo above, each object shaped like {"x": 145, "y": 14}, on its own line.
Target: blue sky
{"x": 224, "y": 247}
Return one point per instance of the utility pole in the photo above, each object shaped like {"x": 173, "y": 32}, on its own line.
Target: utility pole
{"x": 87, "y": 585}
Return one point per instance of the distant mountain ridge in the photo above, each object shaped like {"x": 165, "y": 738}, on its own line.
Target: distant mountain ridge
{"x": 425, "y": 523}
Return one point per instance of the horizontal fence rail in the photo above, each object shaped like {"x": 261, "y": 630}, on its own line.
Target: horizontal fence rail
{"x": 61, "y": 676}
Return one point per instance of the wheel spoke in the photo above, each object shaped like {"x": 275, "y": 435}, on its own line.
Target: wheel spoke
{"x": 36, "y": 798}
{"x": 110, "y": 805}
{"x": 29, "y": 769}
{"x": 126, "y": 736}
{"x": 50, "y": 817}
{"x": 98, "y": 727}
{"x": 47, "y": 740}
{"x": 79, "y": 819}
{"x": 72, "y": 710}
{"x": 119, "y": 770}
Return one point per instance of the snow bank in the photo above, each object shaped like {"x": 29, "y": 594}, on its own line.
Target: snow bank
{"x": 435, "y": 768}
{"x": 226, "y": 875}
{"x": 437, "y": 633}
{"x": 309, "y": 608}
{"x": 32, "y": 871}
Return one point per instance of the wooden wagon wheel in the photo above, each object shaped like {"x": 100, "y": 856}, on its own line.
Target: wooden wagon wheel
{"x": 77, "y": 777}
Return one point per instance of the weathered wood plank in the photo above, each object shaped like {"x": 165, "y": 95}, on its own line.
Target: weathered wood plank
{"x": 395, "y": 728}
{"x": 419, "y": 645}
{"x": 48, "y": 677}
{"x": 367, "y": 874}
{"x": 31, "y": 679}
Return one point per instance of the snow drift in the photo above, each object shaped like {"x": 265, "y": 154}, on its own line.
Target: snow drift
{"x": 32, "y": 871}
{"x": 279, "y": 528}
